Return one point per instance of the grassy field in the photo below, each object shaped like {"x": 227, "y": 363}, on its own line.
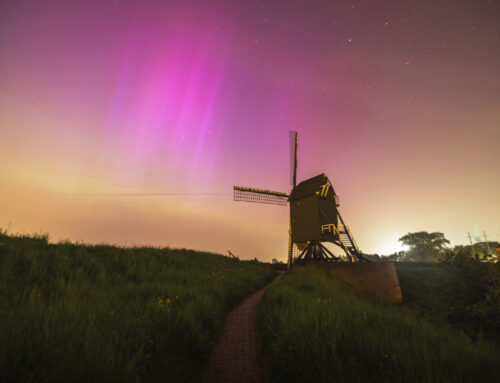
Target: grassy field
{"x": 463, "y": 296}
{"x": 75, "y": 313}
{"x": 315, "y": 328}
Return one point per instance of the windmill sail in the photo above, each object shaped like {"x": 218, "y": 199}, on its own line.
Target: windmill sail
{"x": 293, "y": 157}
{"x": 269, "y": 197}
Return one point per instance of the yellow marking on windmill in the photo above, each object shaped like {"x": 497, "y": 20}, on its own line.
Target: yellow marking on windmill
{"x": 329, "y": 228}
{"x": 324, "y": 189}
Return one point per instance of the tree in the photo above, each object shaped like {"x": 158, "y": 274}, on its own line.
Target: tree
{"x": 397, "y": 256}
{"x": 478, "y": 252}
{"x": 424, "y": 246}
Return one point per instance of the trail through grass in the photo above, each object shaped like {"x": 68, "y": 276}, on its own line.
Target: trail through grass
{"x": 316, "y": 328}
{"x": 75, "y": 313}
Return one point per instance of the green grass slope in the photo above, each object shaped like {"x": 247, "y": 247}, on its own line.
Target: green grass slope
{"x": 316, "y": 328}
{"x": 461, "y": 295}
{"x": 75, "y": 313}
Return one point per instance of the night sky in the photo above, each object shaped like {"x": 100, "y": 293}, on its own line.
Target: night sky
{"x": 129, "y": 122}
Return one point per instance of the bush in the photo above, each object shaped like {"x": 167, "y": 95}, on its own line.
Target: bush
{"x": 462, "y": 292}
{"x": 472, "y": 289}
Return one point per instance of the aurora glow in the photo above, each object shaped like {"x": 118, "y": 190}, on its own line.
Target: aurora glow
{"x": 129, "y": 121}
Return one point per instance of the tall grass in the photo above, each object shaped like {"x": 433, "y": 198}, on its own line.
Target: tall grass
{"x": 316, "y": 328}
{"x": 75, "y": 313}
{"x": 461, "y": 294}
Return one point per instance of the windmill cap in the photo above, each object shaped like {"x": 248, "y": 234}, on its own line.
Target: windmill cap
{"x": 310, "y": 187}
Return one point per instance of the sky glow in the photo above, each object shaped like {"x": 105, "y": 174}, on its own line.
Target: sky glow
{"x": 129, "y": 122}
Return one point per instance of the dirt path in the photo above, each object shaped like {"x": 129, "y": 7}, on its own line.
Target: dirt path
{"x": 235, "y": 357}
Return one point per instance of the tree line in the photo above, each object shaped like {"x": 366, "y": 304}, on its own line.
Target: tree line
{"x": 432, "y": 247}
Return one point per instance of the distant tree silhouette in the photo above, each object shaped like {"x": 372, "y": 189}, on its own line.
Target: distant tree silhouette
{"x": 424, "y": 246}
{"x": 399, "y": 256}
{"x": 478, "y": 252}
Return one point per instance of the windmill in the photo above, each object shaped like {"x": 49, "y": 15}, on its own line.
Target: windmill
{"x": 314, "y": 217}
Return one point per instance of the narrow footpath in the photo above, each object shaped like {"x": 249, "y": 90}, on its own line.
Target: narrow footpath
{"x": 236, "y": 356}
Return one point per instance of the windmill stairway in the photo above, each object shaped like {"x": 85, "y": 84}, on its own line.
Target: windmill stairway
{"x": 347, "y": 241}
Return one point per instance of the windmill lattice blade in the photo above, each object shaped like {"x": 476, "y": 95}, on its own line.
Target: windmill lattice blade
{"x": 293, "y": 157}
{"x": 269, "y": 197}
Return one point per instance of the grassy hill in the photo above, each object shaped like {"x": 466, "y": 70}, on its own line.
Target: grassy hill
{"x": 463, "y": 294}
{"x": 72, "y": 312}
{"x": 77, "y": 313}
{"x": 315, "y": 328}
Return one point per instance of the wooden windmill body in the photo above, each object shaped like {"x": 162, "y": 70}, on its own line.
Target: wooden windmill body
{"x": 314, "y": 215}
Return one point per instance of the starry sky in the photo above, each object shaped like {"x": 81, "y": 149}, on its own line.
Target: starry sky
{"x": 128, "y": 122}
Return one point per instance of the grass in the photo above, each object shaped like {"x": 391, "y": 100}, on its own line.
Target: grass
{"x": 463, "y": 296}
{"x": 315, "y": 328}
{"x": 76, "y": 313}
{"x": 423, "y": 288}
{"x": 419, "y": 280}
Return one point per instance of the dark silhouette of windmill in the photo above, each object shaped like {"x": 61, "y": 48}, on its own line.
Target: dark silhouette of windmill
{"x": 314, "y": 217}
